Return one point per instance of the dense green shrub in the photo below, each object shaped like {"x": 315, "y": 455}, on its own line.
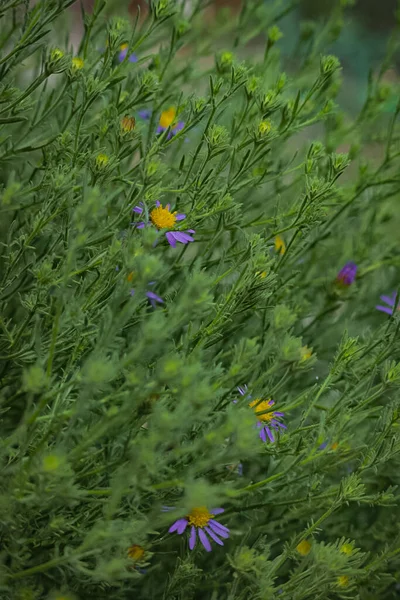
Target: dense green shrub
{"x": 123, "y": 348}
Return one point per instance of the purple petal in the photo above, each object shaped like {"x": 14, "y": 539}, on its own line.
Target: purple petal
{"x": 269, "y": 433}
{"x": 138, "y": 209}
{"x": 178, "y": 127}
{"x": 122, "y": 54}
{"x": 132, "y": 292}
{"x": 167, "y": 508}
{"x": 242, "y": 390}
{"x": 279, "y": 414}
{"x": 160, "y": 129}
{"x": 262, "y": 435}
{"x": 389, "y": 299}
{"x": 171, "y": 238}
{"x": 385, "y": 309}
{"x": 217, "y": 511}
{"x": 221, "y": 530}
{"x": 277, "y": 424}
{"x": 158, "y": 203}
{"x": 133, "y": 58}
{"x": 204, "y": 540}
{"x": 214, "y": 536}
{"x": 153, "y": 296}
{"x": 179, "y": 526}
{"x": 192, "y": 539}
{"x": 190, "y": 231}
{"x": 145, "y": 114}
{"x": 180, "y": 217}
{"x": 182, "y": 237}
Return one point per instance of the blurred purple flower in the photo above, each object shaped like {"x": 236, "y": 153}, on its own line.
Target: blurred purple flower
{"x": 124, "y": 51}
{"x": 347, "y": 274}
{"x": 153, "y": 298}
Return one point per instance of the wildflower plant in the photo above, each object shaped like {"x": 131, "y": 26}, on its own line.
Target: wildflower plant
{"x": 178, "y": 153}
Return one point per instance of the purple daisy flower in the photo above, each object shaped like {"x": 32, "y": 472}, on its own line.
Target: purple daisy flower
{"x": 124, "y": 51}
{"x": 269, "y": 420}
{"x": 347, "y": 274}
{"x": 202, "y": 524}
{"x": 162, "y": 218}
{"x": 391, "y": 301}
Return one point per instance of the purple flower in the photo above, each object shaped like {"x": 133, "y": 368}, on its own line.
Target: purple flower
{"x": 202, "y": 524}
{"x": 347, "y": 274}
{"x": 391, "y": 301}
{"x": 153, "y": 298}
{"x": 144, "y": 114}
{"x": 167, "y": 120}
{"x": 123, "y": 52}
{"x": 269, "y": 420}
{"x": 162, "y": 218}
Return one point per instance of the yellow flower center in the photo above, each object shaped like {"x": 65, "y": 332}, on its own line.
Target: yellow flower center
{"x": 123, "y": 46}
{"x": 162, "y": 218}
{"x": 280, "y": 245}
{"x": 136, "y": 552}
{"x": 262, "y": 407}
{"x": 303, "y": 548}
{"x": 128, "y": 124}
{"x": 167, "y": 117}
{"x": 199, "y": 517}
{"x": 306, "y": 353}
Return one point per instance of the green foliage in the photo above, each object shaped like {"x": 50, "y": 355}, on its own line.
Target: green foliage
{"x": 121, "y": 355}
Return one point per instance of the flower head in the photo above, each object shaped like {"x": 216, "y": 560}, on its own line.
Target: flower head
{"x": 152, "y": 296}
{"x": 306, "y": 353}
{"x": 128, "y": 124}
{"x": 124, "y": 51}
{"x": 136, "y": 552}
{"x": 77, "y": 63}
{"x": 343, "y": 581}
{"x": 102, "y": 161}
{"x": 280, "y": 246}
{"x": 168, "y": 119}
{"x": 347, "y": 274}
{"x": 268, "y": 420}
{"x": 391, "y": 301}
{"x": 202, "y": 523}
{"x": 162, "y": 218}
{"x": 304, "y": 548}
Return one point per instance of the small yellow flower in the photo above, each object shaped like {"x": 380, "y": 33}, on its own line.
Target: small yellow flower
{"x": 128, "y": 124}
{"x": 264, "y": 127}
{"x": 51, "y": 463}
{"x": 280, "y": 245}
{"x": 162, "y": 218}
{"x": 262, "y": 274}
{"x": 346, "y": 549}
{"x": 306, "y": 353}
{"x": 167, "y": 117}
{"x": 334, "y": 446}
{"x": 304, "y": 548}
{"x": 226, "y": 58}
{"x": 77, "y": 63}
{"x": 136, "y": 552}
{"x": 343, "y": 581}
{"x": 56, "y": 54}
{"x": 101, "y": 160}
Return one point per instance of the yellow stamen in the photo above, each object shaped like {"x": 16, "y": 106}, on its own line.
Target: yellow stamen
{"x": 280, "y": 245}
{"x": 199, "y": 517}
{"x": 304, "y": 548}
{"x": 124, "y": 47}
{"x": 167, "y": 117}
{"x": 136, "y": 552}
{"x": 162, "y": 218}
{"x": 262, "y": 407}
